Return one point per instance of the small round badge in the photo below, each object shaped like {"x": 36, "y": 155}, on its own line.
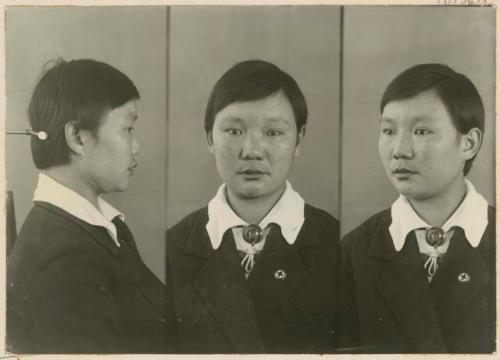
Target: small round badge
{"x": 463, "y": 278}
{"x": 279, "y": 274}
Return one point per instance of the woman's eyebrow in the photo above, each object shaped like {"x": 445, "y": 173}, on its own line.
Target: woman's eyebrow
{"x": 232, "y": 119}
{"x": 280, "y": 120}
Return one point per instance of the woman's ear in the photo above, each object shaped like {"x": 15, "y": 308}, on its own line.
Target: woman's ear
{"x": 301, "y": 133}
{"x": 210, "y": 142}
{"x": 471, "y": 142}
{"x": 73, "y": 138}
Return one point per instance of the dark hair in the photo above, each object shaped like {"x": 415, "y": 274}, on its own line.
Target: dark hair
{"x": 254, "y": 80}
{"x": 79, "y": 91}
{"x": 455, "y": 90}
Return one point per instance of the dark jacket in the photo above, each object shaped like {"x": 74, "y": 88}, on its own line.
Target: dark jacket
{"x": 389, "y": 306}
{"x": 72, "y": 290}
{"x": 219, "y": 311}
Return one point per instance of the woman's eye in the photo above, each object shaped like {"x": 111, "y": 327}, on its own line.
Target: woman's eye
{"x": 422, "y": 132}
{"x": 130, "y": 130}
{"x": 387, "y": 131}
{"x": 274, "y": 132}
{"x": 234, "y": 132}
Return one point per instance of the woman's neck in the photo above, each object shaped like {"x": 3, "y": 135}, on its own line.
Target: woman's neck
{"x": 253, "y": 210}
{"x": 436, "y": 210}
{"x": 73, "y": 180}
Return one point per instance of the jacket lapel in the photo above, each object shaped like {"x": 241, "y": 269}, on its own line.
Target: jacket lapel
{"x": 224, "y": 289}
{"x": 404, "y": 286}
{"x": 279, "y": 270}
{"x": 146, "y": 282}
{"x": 99, "y": 234}
{"x": 460, "y": 277}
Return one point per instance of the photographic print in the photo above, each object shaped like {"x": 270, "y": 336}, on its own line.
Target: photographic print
{"x": 250, "y": 179}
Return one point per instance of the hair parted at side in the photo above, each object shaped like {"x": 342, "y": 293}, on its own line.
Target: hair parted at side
{"x": 458, "y": 94}
{"x": 254, "y": 80}
{"x": 80, "y": 91}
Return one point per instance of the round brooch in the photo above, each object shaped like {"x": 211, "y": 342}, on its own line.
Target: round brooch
{"x": 435, "y": 236}
{"x": 252, "y": 234}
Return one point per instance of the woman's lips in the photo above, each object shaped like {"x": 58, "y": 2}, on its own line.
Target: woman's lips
{"x": 252, "y": 174}
{"x": 403, "y": 173}
{"x": 131, "y": 169}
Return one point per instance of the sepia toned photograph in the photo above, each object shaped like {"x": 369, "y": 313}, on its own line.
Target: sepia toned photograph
{"x": 229, "y": 179}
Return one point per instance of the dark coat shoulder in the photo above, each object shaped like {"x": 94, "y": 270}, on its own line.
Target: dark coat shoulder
{"x": 287, "y": 305}
{"x": 388, "y": 304}
{"x": 321, "y": 218}
{"x": 72, "y": 290}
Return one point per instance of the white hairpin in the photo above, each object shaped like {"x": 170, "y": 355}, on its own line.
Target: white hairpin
{"x": 42, "y": 135}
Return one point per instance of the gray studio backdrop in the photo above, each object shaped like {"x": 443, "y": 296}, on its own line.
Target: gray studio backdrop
{"x": 174, "y": 55}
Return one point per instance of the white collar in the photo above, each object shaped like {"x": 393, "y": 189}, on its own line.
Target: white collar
{"x": 288, "y": 213}
{"x": 471, "y": 216}
{"x": 50, "y": 191}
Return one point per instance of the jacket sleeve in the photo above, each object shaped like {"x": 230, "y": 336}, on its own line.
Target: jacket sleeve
{"x": 73, "y": 308}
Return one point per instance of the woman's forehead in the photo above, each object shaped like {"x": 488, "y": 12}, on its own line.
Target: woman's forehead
{"x": 274, "y": 108}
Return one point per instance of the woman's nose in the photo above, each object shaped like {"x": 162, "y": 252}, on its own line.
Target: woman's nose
{"x": 252, "y": 147}
{"x": 403, "y": 148}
